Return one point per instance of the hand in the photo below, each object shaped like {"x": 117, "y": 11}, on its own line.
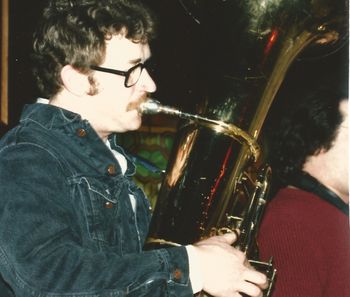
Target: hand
{"x": 225, "y": 270}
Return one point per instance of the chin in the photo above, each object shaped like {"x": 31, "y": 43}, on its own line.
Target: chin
{"x": 135, "y": 124}
{"x": 133, "y": 128}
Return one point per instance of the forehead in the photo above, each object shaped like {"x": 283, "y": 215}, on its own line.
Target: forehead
{"x": 123, "y": 51}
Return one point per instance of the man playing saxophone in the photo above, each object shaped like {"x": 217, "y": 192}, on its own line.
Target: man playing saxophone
{"x": 73, "y": 223}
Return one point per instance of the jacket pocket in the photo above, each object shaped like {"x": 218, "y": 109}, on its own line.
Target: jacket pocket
{"x": 100, "y": 199}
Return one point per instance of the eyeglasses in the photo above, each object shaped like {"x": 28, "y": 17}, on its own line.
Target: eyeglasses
{"x": 132, "y": 75}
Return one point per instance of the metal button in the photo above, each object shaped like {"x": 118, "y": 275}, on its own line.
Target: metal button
{"x": 108, "y": 204}
{"x": 111, "y": 169}
{"x": 81, "y": 132}
{"x": 177, "y": 274}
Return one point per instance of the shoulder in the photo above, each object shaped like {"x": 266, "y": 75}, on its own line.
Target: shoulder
{"x": 23, "y": 144}
{"x": 296, "y": 202}
{"x": 303, "y": 214}
{"x": 295, "y": 212}
{"x": 23, "y": 157}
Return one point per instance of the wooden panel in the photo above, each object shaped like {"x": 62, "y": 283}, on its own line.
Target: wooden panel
{"x": 4, "y": 107}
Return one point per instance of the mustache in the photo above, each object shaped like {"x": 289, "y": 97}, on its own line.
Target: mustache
{"x": 136, "y": 104}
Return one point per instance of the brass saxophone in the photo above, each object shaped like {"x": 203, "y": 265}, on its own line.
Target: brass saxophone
{"x": 216, "y": 179}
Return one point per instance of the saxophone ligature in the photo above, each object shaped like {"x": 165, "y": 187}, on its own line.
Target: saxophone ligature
{"x": 216, "y": 180}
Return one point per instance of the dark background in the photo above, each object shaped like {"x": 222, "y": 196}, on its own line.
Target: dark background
{"x": 175, "y": 58}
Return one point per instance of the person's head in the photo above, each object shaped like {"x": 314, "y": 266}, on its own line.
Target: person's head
{"x": 310, "y": 136}
{"x": 75, "y": 36}
{"x": 330, "y": 166}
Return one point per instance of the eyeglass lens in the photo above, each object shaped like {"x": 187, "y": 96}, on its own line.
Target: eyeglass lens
{"x": 134, "y": 76}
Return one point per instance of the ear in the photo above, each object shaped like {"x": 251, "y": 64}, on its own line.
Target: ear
{"x": 320, "y": 151}
{"x": 74, "y": 81}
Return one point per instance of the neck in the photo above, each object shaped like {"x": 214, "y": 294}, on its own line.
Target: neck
{"x": 322, "y": 179}
{"x": 77, "y": 104}
{"x": 310, "y": 184}
{"x": 332, "y": 174}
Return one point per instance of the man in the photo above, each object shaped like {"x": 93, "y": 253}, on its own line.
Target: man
{"x": 306, "y": 225}
{"x": 72, "y": 221}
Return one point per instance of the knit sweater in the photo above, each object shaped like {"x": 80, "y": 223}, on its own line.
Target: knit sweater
{"x": 309, "y": 240}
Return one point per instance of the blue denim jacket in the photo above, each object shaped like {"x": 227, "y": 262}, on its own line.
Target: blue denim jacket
{"x": 67, "y": 224}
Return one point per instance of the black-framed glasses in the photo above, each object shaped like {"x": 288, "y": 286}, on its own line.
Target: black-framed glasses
{"x": 132, "y": 75}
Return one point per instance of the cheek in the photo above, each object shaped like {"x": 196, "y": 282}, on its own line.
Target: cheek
{"x": 343, "y": 145}
{"x": 113, "y": 86}
{"x": 117, "y": 98}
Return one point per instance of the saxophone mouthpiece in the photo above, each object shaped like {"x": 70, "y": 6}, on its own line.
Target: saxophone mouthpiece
{"x": 151, "y": 106}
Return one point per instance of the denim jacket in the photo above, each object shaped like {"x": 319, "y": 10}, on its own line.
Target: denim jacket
{"x": 67, "y": 224}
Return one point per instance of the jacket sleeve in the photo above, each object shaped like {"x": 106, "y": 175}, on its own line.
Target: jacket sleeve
{"x": 41, "y": 255}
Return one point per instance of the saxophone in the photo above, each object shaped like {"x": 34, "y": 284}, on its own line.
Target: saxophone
{"x": 216, "y": 179}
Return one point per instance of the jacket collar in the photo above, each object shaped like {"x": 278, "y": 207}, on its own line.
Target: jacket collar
{"x": 71, "y": 124}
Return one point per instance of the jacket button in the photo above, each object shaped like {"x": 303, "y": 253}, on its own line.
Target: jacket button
{"x": 81, "y": 132}
{"x": 108, "y": 204}
{"x": 111, "y": 169}
{"x": 177, "y": 274}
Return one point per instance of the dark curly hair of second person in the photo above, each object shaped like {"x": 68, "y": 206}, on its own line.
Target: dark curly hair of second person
{"x": 307, "y": 124}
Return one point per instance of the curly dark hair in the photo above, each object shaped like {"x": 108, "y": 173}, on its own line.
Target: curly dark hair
{"x": 74, "y": 33}
{"x": 307, "y": 124}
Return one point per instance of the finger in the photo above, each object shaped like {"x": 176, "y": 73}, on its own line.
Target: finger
{"x": 255, "y": 277}
{"x": 229, "y": 238}
{"x": 250, "y": 289}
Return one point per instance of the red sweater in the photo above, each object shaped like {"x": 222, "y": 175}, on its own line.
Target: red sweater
{"x": 309, "y": 240}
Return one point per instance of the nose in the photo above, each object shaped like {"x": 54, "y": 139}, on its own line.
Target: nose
{"x": 146, "y": 82}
